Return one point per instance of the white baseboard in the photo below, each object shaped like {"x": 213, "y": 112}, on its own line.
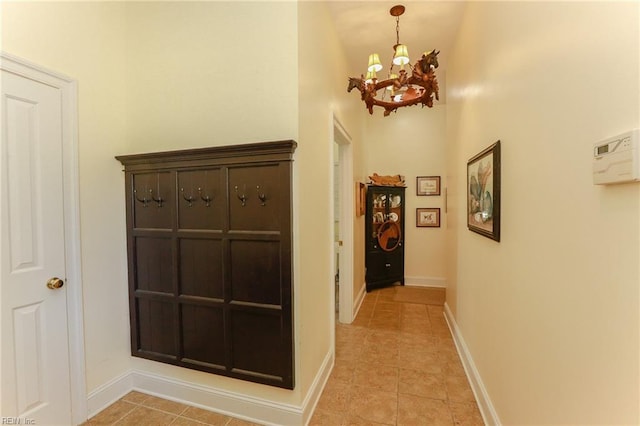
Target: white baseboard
{"x": 232, "y": 404}
{"x": 487, "y": 410}
{"x": 108, "y": 393}
{"x": 426, "y": 282}
{"x": 313, "y": 396}
{"x": 357, "y": 302}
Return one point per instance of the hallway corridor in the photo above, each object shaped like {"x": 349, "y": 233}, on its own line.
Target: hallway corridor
{"x": 396, "y": 364}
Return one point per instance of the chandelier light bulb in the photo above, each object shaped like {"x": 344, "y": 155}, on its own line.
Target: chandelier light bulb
{"x": 374, "y": 63}
{"x": 401, "y": 56}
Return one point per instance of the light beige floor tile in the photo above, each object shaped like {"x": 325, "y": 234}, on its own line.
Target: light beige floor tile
{"x": 112, "y": 413}
{"x": 343, "y": 371}
{"x": 322, "y": 418}
{"x": 135, "y": 397}
{"x": 205, "y": 416}
{"x": 375, "y": 376}
{"x": 335, "y": 397}
{"x": 466, "y": 414}
{"x": 143, "y": 416}
{"x": 419, "y": 383}
{"x": 374, "y": 405}
{"x": 183, "y": 421}
{"x": 164, "y": 405}
{"x": 419, "y": 411}
{"x": 458, "y": 389}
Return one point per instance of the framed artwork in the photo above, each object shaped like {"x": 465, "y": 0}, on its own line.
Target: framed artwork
{"x": 361, "y": 198}
{"x": 428, "y": 217}
{"x": 483, "y": 192}
{"x": 428, "y": 185}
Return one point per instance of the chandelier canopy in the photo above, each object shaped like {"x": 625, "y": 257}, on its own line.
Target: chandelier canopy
{"x": 401, "y": 88}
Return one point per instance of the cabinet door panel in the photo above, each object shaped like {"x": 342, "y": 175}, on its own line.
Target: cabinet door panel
{"x": 203, "y": 335}
{"x": 257, "y": 343}
{"x": 153, "y": 200}
{"x": 156, "y": 322}
{"x": 201, "y": 200}
{"x": 201, "y": 268}
{"x": 154, "y": 264}
{"x": 255, "y": 271}
{"x": 252, "y": 183}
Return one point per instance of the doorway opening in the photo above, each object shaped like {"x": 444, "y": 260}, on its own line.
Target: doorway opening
{"x": 343, "y": 214}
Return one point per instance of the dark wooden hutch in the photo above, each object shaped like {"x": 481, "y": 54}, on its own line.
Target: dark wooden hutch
{"x": 384, "y": 236}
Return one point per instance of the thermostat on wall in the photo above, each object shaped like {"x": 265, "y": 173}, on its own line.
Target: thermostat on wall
{"x": 617, "y": 159}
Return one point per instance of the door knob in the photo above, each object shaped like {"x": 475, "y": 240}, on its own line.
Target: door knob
{"x": 55, "y": 283}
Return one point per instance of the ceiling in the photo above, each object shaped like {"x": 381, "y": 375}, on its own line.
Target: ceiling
{"x": 366, "y": 27}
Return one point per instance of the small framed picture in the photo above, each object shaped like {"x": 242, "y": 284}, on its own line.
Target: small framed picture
{"x": 428, "y": 185}
{"x": 361, "y": 198}
{"x": 428, "y": 217}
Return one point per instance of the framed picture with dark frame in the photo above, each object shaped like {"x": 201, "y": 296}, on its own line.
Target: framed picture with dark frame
{"x": 428, "y": 185}
{"x": 483, "y": 192}
{"x": 361, "y": 198}
{"x": 428, "y": 217}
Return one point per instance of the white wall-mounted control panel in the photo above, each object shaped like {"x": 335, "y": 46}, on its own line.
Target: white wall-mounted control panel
{"x": 617, "y": 159}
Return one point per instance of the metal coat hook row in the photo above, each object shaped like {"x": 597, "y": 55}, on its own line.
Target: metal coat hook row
{"x": 191, "y": 198}
{"x": 262, "y": 196}
{"x": 243, "y": 197}
{"x": 146, "y": 200}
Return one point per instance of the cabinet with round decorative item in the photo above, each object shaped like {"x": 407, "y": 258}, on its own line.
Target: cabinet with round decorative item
{"x": 384, "y": 236}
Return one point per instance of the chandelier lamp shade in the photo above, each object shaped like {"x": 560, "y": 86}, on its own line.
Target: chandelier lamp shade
{"x": 402, "y": 87}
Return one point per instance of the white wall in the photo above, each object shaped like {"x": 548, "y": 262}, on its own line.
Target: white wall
{"x": 412, "y": 143}
{"x": 549, "y": 314}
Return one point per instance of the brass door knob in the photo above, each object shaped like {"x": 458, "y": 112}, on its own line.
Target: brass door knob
{"x": 55, "y": 283}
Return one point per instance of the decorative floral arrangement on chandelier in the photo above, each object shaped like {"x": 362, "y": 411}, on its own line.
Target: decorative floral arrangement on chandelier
{"x": 419, "y": 85}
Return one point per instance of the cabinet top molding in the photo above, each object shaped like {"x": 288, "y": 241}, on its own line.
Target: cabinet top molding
{"x": 225, "y": 154}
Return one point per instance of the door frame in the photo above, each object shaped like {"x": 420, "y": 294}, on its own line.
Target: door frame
{"x": 75, "y": 318}
{"x": 347, "y": 212}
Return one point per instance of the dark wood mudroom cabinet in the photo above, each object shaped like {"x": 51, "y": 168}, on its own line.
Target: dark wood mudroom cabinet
{"x": 210, "y": 259}
{"x": 384, "y": 236}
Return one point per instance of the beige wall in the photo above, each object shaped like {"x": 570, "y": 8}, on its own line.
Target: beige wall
{"x": 86, "y": 41}
{"x": 159, "y": 76}
{"x": 549, "y": 314}
{"x": 210, "y": 73}
{"x": 197, "y": 76}
{"x": 412, "y": 143}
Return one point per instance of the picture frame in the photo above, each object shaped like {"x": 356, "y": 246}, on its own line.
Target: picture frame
{"x": 428, "y": 185}
{"x": 361, "y": 199}
{"x": 428, "y": 217}
{"x": 483, "y": 192}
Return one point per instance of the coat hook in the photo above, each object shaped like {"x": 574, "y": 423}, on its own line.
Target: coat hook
{"x": 189, "y": 199}
{"x": 262, "y": 196}
{"x": 243, "y": 197}
{"x": 206, "y": 198}
{"x": 158, "y": 200}
{"x": 144, "y": 200}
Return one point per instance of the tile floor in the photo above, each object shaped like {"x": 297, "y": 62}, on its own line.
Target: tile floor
{"x": 395, "y": 365}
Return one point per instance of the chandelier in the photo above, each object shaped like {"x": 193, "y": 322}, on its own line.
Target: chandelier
{"x": 417, "y": 85}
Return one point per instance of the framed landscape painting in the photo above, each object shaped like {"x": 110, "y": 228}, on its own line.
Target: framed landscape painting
{"x": 483, "y": 192}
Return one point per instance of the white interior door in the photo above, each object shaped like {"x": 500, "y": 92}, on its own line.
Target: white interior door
{"x": 35, "y": 371}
